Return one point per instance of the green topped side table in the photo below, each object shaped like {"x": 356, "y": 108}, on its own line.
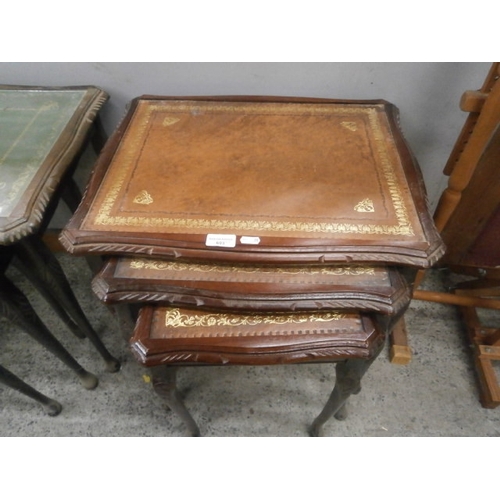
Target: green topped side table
{"x": 43, "y": 132}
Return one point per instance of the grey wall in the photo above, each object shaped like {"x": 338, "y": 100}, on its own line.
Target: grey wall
{"x": 427, "y": 94}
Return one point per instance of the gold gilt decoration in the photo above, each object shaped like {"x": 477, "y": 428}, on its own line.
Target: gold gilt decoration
{"x": 175, "y": 319}
{"x": 170, "y": 120}
{"x": 365, "y": 206}
{"x": 159, "y": 265}
{"x": 143, "y": 198}
{"x": 352, "y": 126}
{"x": 402, "y": 228}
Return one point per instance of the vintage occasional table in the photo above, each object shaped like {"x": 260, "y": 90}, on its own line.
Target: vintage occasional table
{"x": 44, "y": 131}
{"x": 257, "y": 230}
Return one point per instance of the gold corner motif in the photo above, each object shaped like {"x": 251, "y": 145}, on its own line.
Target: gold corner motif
{"x": 352, "y": 126}
{"x": 143, "y": 198}
{"x": 365, "y": 205}
{"x": 170, "y": 120}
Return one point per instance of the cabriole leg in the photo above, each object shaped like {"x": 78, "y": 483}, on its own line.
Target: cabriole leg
{"x": 348, "y": 381}
{"x": 164, "y": 383}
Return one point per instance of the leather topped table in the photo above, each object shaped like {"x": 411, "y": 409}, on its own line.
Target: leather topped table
{"x": 252, "y": 288}
{"x": 263, "y": 180}
{"x": 257, "y": 230}
{"x": 166, "y": 338}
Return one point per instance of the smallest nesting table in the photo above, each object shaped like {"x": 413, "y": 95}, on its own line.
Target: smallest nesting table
{"x": 167, "y": 338}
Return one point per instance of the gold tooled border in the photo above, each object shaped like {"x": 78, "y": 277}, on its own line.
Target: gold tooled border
{"x": 160, "y": 265}
{"x": 403, "y": 228}
{"x": 174, "y": 318}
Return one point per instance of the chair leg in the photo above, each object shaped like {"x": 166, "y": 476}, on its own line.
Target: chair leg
{"x": 41, "y": 261}
{"x": 348, "y": 381}
{"x": 15, "y": 306}
{"x": 164, "y": 383}
{"x": 486, "y": 352}
{"x": 51, "y": 406}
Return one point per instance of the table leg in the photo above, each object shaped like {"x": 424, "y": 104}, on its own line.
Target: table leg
{"x": 164, "y": 383}
{"x": 41, "y": 286}
{"x": 99, "y": 135}
{"x": 400, "y": 350}
{"x": 348, "y": 381}
{"x": 41, "y": 261}
{"x": 126, "y": 317}
{"x": 51, "y": 406}
{"x": 15, "y": 306}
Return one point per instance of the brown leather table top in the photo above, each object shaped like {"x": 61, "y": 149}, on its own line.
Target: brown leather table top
{"x": 257, "y": 180}
{"x": 185, "y": 336}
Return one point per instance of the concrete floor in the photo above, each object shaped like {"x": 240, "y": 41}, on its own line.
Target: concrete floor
{"x": 435, "y": 395}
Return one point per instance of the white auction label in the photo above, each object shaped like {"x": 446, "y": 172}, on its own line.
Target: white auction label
{"x": 250, "y": 240}
{"x": 221, "y": 240}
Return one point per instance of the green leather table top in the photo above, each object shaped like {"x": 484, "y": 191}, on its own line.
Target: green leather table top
{"x": 41, "y": 131}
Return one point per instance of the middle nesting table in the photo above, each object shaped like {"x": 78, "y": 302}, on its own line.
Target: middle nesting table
{"x": 248, "y": 288}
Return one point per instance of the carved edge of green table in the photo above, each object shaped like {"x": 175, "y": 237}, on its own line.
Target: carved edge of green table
{"x": 42, "y": 130}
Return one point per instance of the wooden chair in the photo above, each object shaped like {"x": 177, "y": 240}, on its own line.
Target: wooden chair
{"x": 468, "y": 218}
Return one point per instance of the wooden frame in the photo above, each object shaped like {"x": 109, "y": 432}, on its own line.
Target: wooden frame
{"x": 387, "y": 222}
{"x": 251, "y": 288}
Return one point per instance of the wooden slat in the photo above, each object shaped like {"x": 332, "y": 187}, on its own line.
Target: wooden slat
{"x": 454, "y": 299}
